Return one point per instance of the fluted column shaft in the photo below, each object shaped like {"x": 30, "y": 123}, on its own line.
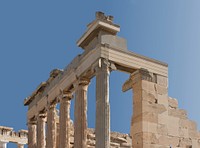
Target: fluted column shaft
{"x": 41, "y": 142}
{"x": 80, "y": 112}
{"x": 3, "y": 144}
{"x": 64, "y": 120}
{"x": 32, "y": 131}
{"x": 57, "y": 134}
{"x": 51, "y": 126}
{"x": 102, "y": 128}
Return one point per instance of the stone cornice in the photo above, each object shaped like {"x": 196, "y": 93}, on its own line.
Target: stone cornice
{"x": 102, "y": 22}
{"x": 39, "y": 89}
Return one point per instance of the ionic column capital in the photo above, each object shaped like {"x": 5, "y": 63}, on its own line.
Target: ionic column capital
{"x": 67, "y": 95}
{"x": 103, "y": 65}
{"x": 32, "y": 121}
{"x": 82, "y": 83}
{"x": 52, "y": 105}
{"x": 42, "y": 116}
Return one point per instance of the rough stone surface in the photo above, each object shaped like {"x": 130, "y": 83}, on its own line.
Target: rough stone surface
{"x": 8, "y": 135}
{"x": 118, "y": 140}
{"x": 80, "y": 116}
{"x": 156, "y": 122}
{"x": 51, "y": 126}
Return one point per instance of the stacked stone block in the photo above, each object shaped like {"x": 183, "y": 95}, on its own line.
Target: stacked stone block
{"x": 157, "y": 121}
{"x": 118, "y": 140}
{"x": 7, "y": 135}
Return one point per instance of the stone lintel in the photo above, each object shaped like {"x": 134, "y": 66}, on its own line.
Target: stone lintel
{"x": 54, "y": 73}
{"x": 3, "y": 140}
{"x": 6, "y": 128}
{"x": 23, "y": 131}
{"x": 40, "y": 89}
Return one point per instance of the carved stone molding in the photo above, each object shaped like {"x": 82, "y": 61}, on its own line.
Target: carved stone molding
{"x": 140, "y": 74}
{"x": 67, "y": 95}
{"x": 143, "y": 74}
{"x": 52, "y": 104}
{"x": 42, "y": 115}
{"x": 103, "y": 65}
{"x": 32, "y": 121}
{"x": 83, "y": 81}
{"x": 103, "y": 17}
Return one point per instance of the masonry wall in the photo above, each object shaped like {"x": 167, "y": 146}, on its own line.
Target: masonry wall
{"x": 157, "y": 121}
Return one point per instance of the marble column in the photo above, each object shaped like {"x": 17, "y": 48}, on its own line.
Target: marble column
{"x": 64, "y": 120}
{"x": 20, "y": 145}
{"x": 80, "y": 112}
{"x": 32, "y": 134}
{"x": 41, "y": 133}
{"x": 102, "y": 129}
{"x": 51, "y": 126}
{"x": 3, "y": 144}
{"x": 57, "y": 134}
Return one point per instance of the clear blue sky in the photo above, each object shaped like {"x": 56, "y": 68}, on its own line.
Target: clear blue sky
{"x": 38, "y": 36}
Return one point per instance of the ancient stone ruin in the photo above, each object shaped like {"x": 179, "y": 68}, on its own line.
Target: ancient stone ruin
{"x": 157, "y": 122}
{"x": 8, "y": 135}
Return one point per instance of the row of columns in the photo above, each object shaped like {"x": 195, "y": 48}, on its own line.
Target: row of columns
{"x": 102, "y": 129}
{"x": 3, "y": 144}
